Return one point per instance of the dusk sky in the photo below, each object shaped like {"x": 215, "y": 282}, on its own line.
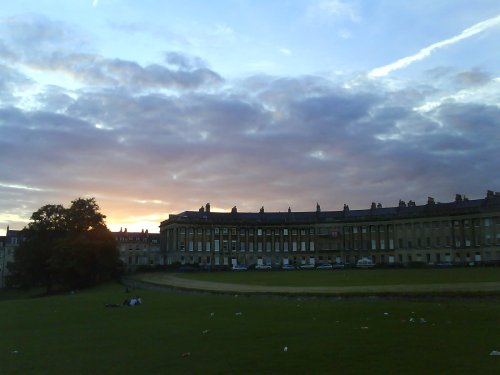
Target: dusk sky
{"x": 157, "y": 107}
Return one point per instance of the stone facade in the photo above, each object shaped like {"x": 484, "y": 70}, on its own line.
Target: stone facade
{"x": 8, "y": 245}
{"x": 462, "y": 231}
{"x": 139, "y": 249}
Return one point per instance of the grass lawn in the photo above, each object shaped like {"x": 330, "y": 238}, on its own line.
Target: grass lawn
{"x": 352, "y": 277}
{"x": 76, "y": 334}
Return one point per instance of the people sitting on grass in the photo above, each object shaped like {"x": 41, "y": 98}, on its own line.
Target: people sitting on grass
{"x": 133, "y": 301}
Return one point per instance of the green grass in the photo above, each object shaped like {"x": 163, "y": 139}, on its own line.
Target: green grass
{"x": 352, "y": 277}
{"x": 76, "y": 334}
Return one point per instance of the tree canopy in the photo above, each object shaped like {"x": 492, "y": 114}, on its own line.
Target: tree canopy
{"x": 69, "y": 247}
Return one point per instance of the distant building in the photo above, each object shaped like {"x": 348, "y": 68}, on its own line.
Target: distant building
{"x": 8, "y": 245}
{"x": 462, "y": 231}
{"x": 136, "y": 249}
{"x": 139, "y": 249}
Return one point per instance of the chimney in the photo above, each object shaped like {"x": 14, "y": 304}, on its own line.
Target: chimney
{"x": 207, "y": 208}
{"x": 430, "y": 200}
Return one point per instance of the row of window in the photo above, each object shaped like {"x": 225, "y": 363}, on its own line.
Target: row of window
{"x": 410, "y": 243}
{"x": 247, "y": 246}
{"x": 457, "y": 224}
{"x": 373, "y": 244}
{"x": 245, "y": 231}
{"x": 487, "y": 222}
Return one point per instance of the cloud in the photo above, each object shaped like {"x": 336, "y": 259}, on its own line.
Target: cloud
{"x": 50, "y": 47}
{"x": 335, "y": 9}
{"x": 173, "y": 135}
{"x": 344, "y": 34}
{"x": 285, "y": 51}
{"x": 426, "y": 52}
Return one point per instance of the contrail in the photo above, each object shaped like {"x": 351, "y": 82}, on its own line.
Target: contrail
{"x": 425, "y": 52}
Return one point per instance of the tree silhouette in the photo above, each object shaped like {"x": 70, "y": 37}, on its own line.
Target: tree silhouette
{"x": 68, "y": 247}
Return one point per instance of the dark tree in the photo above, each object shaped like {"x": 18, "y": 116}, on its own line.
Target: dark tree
{"x": 69, "y": 247}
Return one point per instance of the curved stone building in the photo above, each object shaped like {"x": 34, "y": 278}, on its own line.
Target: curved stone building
{"x": 462, "y": 231}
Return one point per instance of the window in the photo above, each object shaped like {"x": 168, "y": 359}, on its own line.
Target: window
{"x": 182, "y": 246}
{"x": 285, "y": 247}
{"x": 242, "y": 246}
{"x": 294, "y": 246}
{"x": 374, "y": 244}
{"x": 277, "y": 246}
{"x": 302, "y": 246}
{"x": 191, "y": 245}
{"x": 268, "y": 247}
{"x": 259, "y": 247}
{"x": 259, "y": 232}
{"x": 225, "y": 245}
{"x": 302, "y": 232}
{"x": 242, "y": 232}
{"x": 207, "y": 246}
{"x": 200, "y": 246}
{"x": 233, "y": 245}
{"x": 285, "y": 232}
{"x": 311, "y": 230}
{"x": 311, "y": 246}
{"x": 216, "y": 231}
{"x": 233, "y": 231}
{"x": 250, "y": 246}
{"x": 225, "y": 231}
{"x": 216, "y": 245}
{"x": 382, "y": 244}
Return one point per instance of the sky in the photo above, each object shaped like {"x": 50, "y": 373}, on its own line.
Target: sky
{"x": 158, "y": 107}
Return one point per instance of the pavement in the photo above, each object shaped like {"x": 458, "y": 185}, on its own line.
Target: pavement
{"x": 173, "y": 281}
